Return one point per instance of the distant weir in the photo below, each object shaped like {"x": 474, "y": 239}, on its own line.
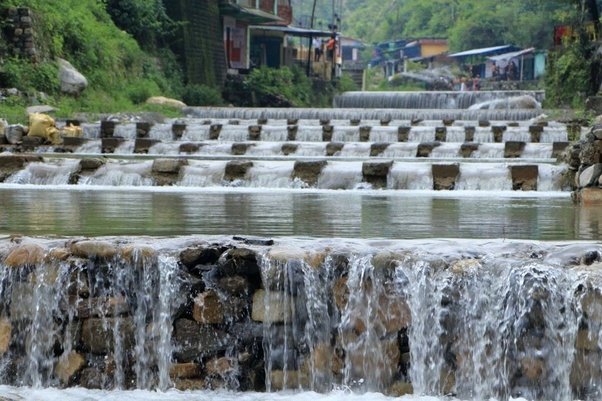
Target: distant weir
{"x": 360, "y": 113}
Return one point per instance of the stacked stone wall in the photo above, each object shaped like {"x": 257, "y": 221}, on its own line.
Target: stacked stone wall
{"x": 18, "y": 37}
{"x": 202, "y": 50}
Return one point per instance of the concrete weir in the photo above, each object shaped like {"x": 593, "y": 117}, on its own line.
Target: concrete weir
{"x": 261, "y": 314}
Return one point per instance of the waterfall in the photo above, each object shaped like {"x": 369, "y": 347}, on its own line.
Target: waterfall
{"x": 357, "y": 113}
{"x": 39, "y": 173}
{"x": 426, "y": 100}
{"x": 48, "y": 302}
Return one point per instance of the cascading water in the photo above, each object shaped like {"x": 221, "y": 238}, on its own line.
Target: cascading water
{"x": 357, "y": 113}
{"x": 60, "y": 307}
{"x": 474, "y": 319}
{"x": 427, "y": 100}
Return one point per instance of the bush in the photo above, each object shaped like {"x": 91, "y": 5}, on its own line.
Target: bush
{"x": 281, "y": 85}
{"x": 26, "y": 76}
{"x": 141, "y": 90}
{"x": 202, "y": 95}
{"x": 568, "y": 76}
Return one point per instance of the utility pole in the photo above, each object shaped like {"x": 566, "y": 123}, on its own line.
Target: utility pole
{"x": 311, "y": 38}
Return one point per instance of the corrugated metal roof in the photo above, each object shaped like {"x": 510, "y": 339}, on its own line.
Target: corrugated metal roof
{"x": 482, "y": 52}
{"x": 511, "y": 55}
{"x": 292, "y": 30}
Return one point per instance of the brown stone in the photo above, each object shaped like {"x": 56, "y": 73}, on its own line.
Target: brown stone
{"x": 108, "y": 145}
{"x": 354, "y": 122}
{"x": 535, "y": 131}
{"x": 399, "y": 389}
{"x": 532, "y": 368}
{"x": 341, "y": 293}
{"x": 514, "y": 149}
{"x": 17, "y": 162}
{"x": 586, "y": 341}
{"x": 98, "y": 334}
{"x": 498, "y": 134}
{"x": 403, "y": 134}
{"x": 270, "y": 307}
{"x": 469, "y": 134}
{"x": 107, "y": 129}
{"x": 142, "y": 145}
{"x": 324, "y": 121}
{"x": 377, "y": 149}
{"x": 237, "y": 170}
{"x": 292, "y": 121}
{"x": 92, "y": 249}
{"x": 287, "y": 380}
{"x": 214, "y": 131}
{"x": 333, "y": 148}
{"x": 90, "y": 164}
{"x": 221, "y": 366}
{"x": 441, "y": 134}
{"x": 524, "y": 177}
{"x": 234, "y": 285}
{"x": 255, "y": 132}
{"x": 384, "y": 366}
{"x": 365, "y": 133}
{"x": 425, "y": 149}
{"x": 558, "y": 149}
{"x": 208, "y": 308}
{"x": 168, "y": 166}
{"x": 193, "y": 340}
{"x": 98, "y": 307}
{"x": 177, "y": 131}
{"x": 138, "y": 253}
{"x": 327, "y": 131}
{"x": 291, "y": 132}
{"x": 142, "y": 129}
{"x": 187, "y": 370}
{"x": 73, "y": 141}
{"x": 445, "y": 176}
{"x": 6, "y": 330}
{"x": 467, "y": 149}
{"x": 289, "y": 148}
{"x": 308, "y": 171}
{"x": 591, "y": 196}
{"x": 376, "y": 173}
{"x": 239, "y": 149}
{"x": 68, "y": 365}
{"x": 189, "y": 147}
{"x": 25, "y": 255}
{"x": 190, "y": 384}
{"x": 484, "y": 123}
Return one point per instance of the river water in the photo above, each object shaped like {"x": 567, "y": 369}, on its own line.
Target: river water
{"x": 68, "y": 210}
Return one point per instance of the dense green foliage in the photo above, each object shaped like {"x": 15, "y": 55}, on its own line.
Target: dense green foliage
{"x": 467, "y": 23}
{"x": 145, "y": 20}
{"x": 202, "y": 95}
{"x": 119, "y": 72}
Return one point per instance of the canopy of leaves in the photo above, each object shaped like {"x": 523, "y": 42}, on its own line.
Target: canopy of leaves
{"x": 466, "y": 23}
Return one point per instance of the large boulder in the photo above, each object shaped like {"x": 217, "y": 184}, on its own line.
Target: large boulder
{"x": 165, "y": 101}
{"x": 72, "y": 81}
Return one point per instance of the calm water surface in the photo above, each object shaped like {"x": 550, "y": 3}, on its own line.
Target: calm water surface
{"x": 371, "y": 214}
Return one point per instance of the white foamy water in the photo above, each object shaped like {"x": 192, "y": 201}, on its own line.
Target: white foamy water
{"x": 79, "y": 394}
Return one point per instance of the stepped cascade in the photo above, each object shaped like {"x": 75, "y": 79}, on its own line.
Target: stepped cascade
{"x": 429, "y": 253}
{"x": 296, "y": 154}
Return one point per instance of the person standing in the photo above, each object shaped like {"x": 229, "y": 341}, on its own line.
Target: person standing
{"x": 317, "y": 45}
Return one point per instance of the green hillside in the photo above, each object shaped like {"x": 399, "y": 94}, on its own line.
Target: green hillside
{"x": 466, "y": 23}
{"x": 120, "y": 73}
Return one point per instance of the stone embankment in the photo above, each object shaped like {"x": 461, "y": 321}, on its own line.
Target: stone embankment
{"x": 252, "y": 314}
{"x": 585, "y": 161}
